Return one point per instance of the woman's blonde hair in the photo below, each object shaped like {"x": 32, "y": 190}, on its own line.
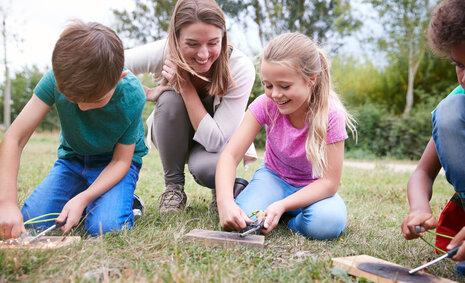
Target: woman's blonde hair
{"x": 206, "y": 11}
{"x": 298, "y": 52}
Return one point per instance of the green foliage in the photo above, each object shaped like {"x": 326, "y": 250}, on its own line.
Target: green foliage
{"x": 148, "y": 21}
{"x": 22, "y": 87}
{"x": 321, "y": 20}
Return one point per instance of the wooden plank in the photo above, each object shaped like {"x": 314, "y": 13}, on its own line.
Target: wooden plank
{"x": 43, "y": 243}
{"x": 224, "y": 239}
{"x": 382, "y": 271}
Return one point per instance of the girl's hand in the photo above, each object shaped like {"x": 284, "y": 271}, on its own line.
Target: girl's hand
{"x": 152, "y": 94}
{"x": 169, "y": 69}
{"x": 458, "y": 239}
{"x": 232, "y": 217}
{"x": 425, "y": 220}
{"x": 272, "y": 215}
{"x": 11, "y": 221}
{"x": 72, "y": 212}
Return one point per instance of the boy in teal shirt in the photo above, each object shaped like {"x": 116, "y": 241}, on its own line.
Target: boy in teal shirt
{"x": 102, "y": 137}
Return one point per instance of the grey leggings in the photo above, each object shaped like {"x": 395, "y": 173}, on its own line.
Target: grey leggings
{"x": 172, "y": 133}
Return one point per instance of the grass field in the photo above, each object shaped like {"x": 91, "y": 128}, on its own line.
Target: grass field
{"x": 155, "y": 251}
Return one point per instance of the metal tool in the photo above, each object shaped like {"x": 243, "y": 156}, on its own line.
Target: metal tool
{"x": 254, "y": 228}
{"x": 450, "y": 253}
{"x": 56, "y": 225}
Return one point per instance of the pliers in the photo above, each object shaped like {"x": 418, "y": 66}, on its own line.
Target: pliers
{"x": 252, "y": 227}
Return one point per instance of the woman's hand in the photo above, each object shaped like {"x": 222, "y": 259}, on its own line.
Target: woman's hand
{"x": 232, "y": 217}
{"x": 152, "y": 94}
{"x": 425, "y": 220}
{"x": 272, "y": 215}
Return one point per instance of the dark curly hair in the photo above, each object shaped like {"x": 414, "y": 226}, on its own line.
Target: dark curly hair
{"x": 447, "y": 26}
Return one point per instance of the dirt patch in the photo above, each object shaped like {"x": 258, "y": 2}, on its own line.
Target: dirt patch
{"x": 370, "y": 165}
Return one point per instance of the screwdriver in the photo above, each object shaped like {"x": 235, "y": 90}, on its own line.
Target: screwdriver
{"x": 450, "y": 253}
{"x": 56, "y": 225}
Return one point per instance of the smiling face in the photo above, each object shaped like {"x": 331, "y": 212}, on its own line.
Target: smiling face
{"x": 287, "y": 89}
{"x": 457, "y": 56}
{"x": 200, "y": 44}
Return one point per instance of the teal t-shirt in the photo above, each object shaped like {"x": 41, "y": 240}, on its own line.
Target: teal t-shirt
{"x": 96, "y": 131}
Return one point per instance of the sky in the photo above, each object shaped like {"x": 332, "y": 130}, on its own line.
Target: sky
{"x": 37, "y": 24}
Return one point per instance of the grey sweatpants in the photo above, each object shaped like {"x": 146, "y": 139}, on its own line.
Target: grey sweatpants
{"x": 173, "y": 134}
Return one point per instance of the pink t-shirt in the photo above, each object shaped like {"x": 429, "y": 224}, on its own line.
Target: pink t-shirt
{"x": 285, "y": 145}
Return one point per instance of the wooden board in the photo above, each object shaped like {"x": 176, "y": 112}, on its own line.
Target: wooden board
{"x": 224, "y": 239}
{"x": 43, "y": 243}
{"x": 382, "y": 271}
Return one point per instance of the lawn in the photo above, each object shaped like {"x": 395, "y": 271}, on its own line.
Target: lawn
{"x": 154, "y": 250}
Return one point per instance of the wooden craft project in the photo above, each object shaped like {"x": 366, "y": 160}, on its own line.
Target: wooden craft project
{"x": 224, "y": 239}
{"x": 382, "y": 271}
{"x": 43, "y": 243}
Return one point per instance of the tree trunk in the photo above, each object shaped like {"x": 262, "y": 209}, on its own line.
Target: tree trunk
{"x": 7, "y": 93}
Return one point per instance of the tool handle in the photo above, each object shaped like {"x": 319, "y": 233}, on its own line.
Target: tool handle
{"x": 59, "y": 224}
{"x": 452, "y": 252}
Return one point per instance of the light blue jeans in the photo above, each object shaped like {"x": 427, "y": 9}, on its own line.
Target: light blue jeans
{"x": 321, "y": 220}
{"x": 112, "y": 211}
{"x": 449, "y": 139}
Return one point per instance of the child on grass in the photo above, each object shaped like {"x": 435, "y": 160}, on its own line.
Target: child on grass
{"x": 306, "y": 128}
{"x": 446, "y": 34}
{"x": 102, "y": 137}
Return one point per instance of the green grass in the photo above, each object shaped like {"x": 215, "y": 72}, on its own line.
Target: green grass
{"x": 155, "y": 251}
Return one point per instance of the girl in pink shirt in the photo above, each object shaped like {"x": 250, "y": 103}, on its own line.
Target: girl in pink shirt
{"x": 306, "y": 128}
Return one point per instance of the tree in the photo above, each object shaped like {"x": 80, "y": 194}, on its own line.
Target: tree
{"x": 7, "y": 91}
{"x": 148, "y": 22}
{"x": 404, "y": 23}
{"x": 321, "y": 20}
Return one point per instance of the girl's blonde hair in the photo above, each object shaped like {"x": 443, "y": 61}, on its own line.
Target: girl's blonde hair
{"x": 298, "y": 52}
{"x": 206, "y": 11}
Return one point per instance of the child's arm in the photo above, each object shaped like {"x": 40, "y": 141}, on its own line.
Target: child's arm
{"x": 420, "y": 189}
{"x": 232, "y": 217}
{"x": 11, "y": 220}
{"x": 109, "y": 177}
{"x": 320, "y": 189}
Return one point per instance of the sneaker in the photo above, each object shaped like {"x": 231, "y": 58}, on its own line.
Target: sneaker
{"x": 213, "y": 204}
{"x": 138, "y": 206}
{"x": 173, "y": 199}
{"x": 239, "y": 186}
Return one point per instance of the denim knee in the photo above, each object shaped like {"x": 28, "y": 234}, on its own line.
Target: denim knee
{"x": 322, "y": 220}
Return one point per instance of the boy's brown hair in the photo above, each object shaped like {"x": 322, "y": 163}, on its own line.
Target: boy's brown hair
{"x": 87, "y": 61}
{"x": 447, "y": 26}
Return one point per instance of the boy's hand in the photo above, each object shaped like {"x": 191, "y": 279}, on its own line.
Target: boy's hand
{"x": 272, "y": 215}
{"x": 232, "y": 217}
{"x": 425, "y": 220}
{"x": 152, "y": 94}
{"x": 458, "y": 239}
{"x": 11, "y": 221}
{"x": 72, "y": 212}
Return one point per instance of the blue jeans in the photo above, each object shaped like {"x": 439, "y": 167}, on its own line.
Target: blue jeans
{"x": 449, "y": 139}
{"x": 112, "y": 211}
{"x": 321, "y": 220}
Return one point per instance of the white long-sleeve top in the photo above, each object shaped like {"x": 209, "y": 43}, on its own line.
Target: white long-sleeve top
{"x": 213, "y": 132}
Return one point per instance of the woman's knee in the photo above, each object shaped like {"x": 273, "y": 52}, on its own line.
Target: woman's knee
{"x": 170, "y": 105}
